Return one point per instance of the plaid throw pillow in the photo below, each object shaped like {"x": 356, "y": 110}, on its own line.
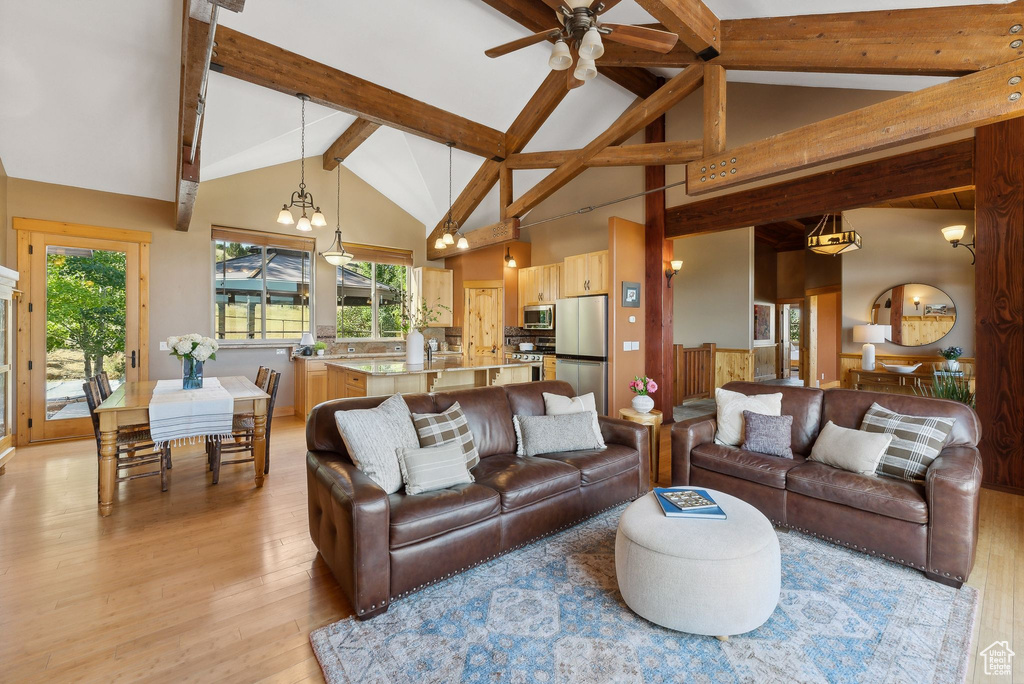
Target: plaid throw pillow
{"x": 435, "y": 429}
{"x": 916, "y": 441}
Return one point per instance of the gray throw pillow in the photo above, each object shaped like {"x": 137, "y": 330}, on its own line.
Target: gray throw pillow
{"x": 772, "y": 435}
{"x": 551, "y": 434}
{"x": 431, "y": 468}
{"x": 373, "y": 436}
{"x": 916, "y": 441}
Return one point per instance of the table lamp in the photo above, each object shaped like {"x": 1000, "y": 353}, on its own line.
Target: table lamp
{"x": 869, "y": 335}
{"x": 307, "y": 342}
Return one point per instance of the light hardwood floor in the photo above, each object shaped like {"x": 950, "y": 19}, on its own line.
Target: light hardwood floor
{"x": 221, "y": 583}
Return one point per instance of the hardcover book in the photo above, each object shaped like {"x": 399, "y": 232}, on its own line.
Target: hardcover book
{"x": 688, "y": 503}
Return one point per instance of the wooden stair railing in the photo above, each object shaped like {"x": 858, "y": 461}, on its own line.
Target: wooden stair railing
{"x": 695, "y": 372}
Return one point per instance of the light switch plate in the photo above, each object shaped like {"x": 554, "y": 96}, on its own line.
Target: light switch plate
{"x": 625, "y": 345}
{"x": 163, "y": 346}
{"x": 351, "y": 349}
{"x": 282, "y": 352}
{"x": 636, "y": 345}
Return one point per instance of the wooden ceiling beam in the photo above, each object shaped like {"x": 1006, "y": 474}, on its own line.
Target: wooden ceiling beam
{"x": 505, "y": 230}
{"x": 632, "y": 120}
{"x": 661, "y": 154}
{"x": 537, "y": 110}
{"x": 714, "y": 109}
{"x": 353, "y": 136}
{"x": 249, "y": 59}
{"x": 974, "y": 100}
{"x": 696, "y": 25}
{"x": 930, "y": 41}
{"x": 193, "y": 62}
{"x": 945, "y": 168}
{"x": 536, "y": 16}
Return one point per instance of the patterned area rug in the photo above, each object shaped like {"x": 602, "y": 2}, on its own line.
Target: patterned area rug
{"x": 551, "y": 612}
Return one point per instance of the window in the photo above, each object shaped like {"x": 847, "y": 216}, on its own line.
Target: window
{"x": 261, "y": 286}
{"x": 371, "y": 289}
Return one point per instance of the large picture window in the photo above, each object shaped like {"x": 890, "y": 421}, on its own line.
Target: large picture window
{"x": 370, "y": 292}
{"x": 261, "y": 286}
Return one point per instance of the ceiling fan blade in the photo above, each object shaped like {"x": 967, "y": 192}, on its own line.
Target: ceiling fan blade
{"x": 641, "y": 37}
{"x": 571, "y": 82}
{"x": 520, "y": 43}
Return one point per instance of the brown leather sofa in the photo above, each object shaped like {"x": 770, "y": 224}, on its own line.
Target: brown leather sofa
{"x": 383, "y": 547}
{"x": 932, "y": 527}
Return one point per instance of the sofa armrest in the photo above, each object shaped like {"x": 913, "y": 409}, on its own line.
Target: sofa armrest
{"x": 686, "y": 435}
{"x": 634, "y": 436}
{"x": 953, "y": 490}
{"x": 349, "y": 519}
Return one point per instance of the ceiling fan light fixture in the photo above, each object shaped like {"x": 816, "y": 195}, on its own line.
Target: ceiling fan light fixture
{"x": 560, "y": 59}
{"x": 591, "y": 46}
{"x": 585, "y": 69}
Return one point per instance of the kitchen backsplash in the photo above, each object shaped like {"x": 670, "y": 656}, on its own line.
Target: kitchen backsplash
{"x": 327, "y": 333}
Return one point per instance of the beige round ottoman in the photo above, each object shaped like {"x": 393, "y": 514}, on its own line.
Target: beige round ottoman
{"x": 714, "y": 577}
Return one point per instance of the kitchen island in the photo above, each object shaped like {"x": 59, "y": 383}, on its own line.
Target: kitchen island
{"x": 377, "y": 377}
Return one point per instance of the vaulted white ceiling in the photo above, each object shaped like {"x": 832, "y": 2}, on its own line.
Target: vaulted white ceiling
{"x": 89, "y": 90}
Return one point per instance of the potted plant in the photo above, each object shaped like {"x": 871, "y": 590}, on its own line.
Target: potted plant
{"x": 416, "y": 319}
{"x": 193, "y": 350}
{"x": 319, "y": 348}
{"x": 952, "y": 356}
{"x": 643, "y": 387}
{"x": 948, "y": 386}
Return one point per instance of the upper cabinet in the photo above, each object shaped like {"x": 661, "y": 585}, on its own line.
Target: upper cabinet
{"x": 434, "y": 287}
{"x": 539, "y": 285}
{"x": 586, "y": 274}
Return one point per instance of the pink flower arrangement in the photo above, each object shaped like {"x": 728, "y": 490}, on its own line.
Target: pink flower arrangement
{"x": 642, "y": 386}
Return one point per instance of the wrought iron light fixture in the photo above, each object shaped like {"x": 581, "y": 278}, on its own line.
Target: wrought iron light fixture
{"x": 834, "y": 242}
{"x": 450, "y": 229}
{"x": 510, "y": 261}
{"x": 336, "y": 254}
{"x": 677, "y": 265}
{"x": 954, "y": 235}
{"x": 302, "y": 198}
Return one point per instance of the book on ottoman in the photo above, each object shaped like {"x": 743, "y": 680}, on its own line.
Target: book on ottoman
{"x": 688, "y": 503}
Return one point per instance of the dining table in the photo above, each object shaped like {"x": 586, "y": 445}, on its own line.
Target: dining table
{"x": 129, "y": 405}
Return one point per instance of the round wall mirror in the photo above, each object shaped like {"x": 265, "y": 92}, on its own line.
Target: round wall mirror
{"x": 918, "y": 314}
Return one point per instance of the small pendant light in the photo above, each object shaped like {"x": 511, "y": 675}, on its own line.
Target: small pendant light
{"x": 336, "y": 253}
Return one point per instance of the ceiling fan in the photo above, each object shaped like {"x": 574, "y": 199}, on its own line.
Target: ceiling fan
{"x": 580, "y": 36}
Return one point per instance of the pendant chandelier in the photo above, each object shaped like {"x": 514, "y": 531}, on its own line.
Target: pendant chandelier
{"x": 302, "y": 198}
{"x": 834, "y": 242}
{"x": 451, "y": 227}
{"x": 336, "y": 254}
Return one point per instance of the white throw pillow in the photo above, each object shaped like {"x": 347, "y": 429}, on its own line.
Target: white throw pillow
{"x": 558, "y": 405}
{"x": 373, "y": 437}
{"x": 854, "y": 450}
{"x": 731, "y": 406}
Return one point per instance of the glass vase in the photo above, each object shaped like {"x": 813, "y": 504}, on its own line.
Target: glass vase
{"x": 191, "y": 373}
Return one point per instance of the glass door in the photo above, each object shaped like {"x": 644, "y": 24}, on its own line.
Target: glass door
{"x": 84, "y": 320}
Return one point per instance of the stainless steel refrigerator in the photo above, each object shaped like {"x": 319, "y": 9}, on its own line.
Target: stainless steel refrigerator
{"x": 581, "y": 346}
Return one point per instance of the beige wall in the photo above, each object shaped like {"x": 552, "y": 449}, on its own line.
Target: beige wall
{"x": 713, "y": 294}
{"x": 181, "y": 278}
{"x": 905, "y": 246}
{"x": 3, "y": 212}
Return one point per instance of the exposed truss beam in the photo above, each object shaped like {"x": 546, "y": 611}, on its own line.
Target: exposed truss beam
{"x": 714, "y": 109}
{"x": 193, "y": 62}
{"x": 534, "y": 114}
{"x": 944, "y": 168}
{"x": 261, "y": 63}
{"x": 696, "y": 25}
{"x": 974, "y": 100}
{"x": 618, "y": 155}
{"x": 935, "y": 41}
{"x": 505, "y": 230}
{"x": 536, "y": 16}
{"x": 354, "y": 136}
{"x": 633, "y": 120}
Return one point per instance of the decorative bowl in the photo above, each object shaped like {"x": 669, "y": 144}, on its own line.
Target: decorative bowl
{"x": 901, "y": 369}
{"x": 526, "y": 346}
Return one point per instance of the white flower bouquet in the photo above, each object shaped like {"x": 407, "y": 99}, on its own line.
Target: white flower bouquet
{"x": 193, "y": 346}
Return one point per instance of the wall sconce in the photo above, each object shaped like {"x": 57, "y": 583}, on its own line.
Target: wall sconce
{"x": 954, "y": 234}
{"x": 677, "y": 264}
{"x": 510, "y": 261}
{"x": 917, "y": 303}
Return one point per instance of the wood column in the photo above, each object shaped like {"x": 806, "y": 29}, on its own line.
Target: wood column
{"x": 658, "y": 333}
{"x": 999, "y": 300}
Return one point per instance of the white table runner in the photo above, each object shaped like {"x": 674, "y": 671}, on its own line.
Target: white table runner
{"x": 183, "y": 416}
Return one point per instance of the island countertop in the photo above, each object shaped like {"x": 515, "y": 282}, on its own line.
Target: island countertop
{"x": 439, "y": 364}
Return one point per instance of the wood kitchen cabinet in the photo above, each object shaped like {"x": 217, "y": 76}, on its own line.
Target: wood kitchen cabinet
{"x": 310, "y": 384}
{"x": 435, "y": 288}
{"x": 586, "y": 274}
{"x": 539, "y": 285}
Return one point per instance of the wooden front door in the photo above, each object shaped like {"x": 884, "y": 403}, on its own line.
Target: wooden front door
{"x": 484, "y": 306}
{"x": 84, "y": 313}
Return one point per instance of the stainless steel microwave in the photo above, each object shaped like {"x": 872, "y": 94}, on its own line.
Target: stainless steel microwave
{"x": 539, "y": 317}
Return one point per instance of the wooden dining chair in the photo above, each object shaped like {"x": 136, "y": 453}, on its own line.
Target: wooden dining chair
{"x": 130, "y": 441}
{"x": 262, "y": 376}
{"x": 103, "y": 380}
{"x": 243, "y": 433}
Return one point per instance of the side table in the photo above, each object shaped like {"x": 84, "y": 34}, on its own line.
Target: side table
{"x": 653, "y": 422}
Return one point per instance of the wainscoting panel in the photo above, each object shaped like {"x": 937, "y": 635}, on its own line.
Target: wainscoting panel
{"x": 733, "y": 364}
{"x": 765, "y": 359}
